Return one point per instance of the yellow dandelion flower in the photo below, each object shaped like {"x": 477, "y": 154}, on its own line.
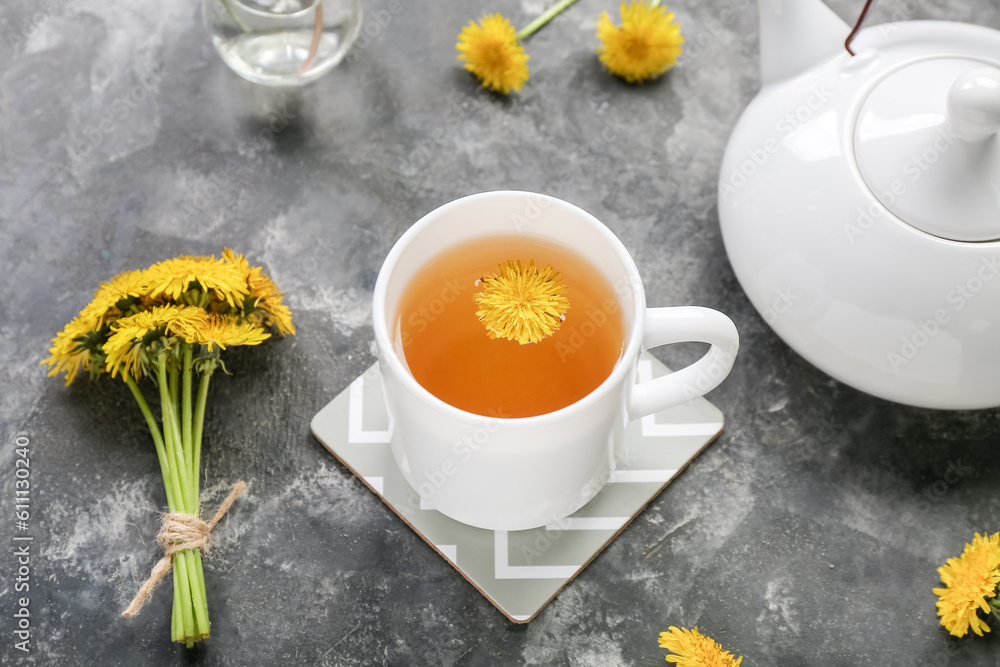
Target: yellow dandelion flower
{"x": 130, "y": 360}
{"x": 694, "y": 649}
{"x": 129, "y": 335}
{"x": 239, "y": 261}
{"x": 645, "y": 46}
{"x": 266, "y": 308}
{"x": 69, "y": 352}
{"x": 109, "y": 294}
{"x": 171, "y": 278}
{"x": 270, "y": 310}
{"x": 970, "y": 580}
{"x": 225, "y": 330}
{"x": 491, "y": 52}
{"x": 522, "y": 303}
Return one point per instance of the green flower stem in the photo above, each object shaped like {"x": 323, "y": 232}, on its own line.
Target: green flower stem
{"x": 176, "y": 628}
{"x": 201, "y": 611}
{"x": 178, "y": 450}
{"x": 199, "y": 422}
{"x": 175, "y": 456}
{"x": 173, "y": 375}
{"x": 171, "y": 431}
{"x": 549, "y": 14}
{"x": 186, "y": 418}
{"x": 157, "y": 440}
{"x": 181, "y": 582}
{"x": 199, "y": 605}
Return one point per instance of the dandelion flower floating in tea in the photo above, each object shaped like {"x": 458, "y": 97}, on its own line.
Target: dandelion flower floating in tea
{"x": 645, "y": 45}
{"x": 694, "y": 649}
{"x": 971, "y": 583}
{"x": 522, "y": 303}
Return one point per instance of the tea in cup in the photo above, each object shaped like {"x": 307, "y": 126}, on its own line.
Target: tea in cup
{"x": 449, "y": 352}
{"x": 507, "y": 435}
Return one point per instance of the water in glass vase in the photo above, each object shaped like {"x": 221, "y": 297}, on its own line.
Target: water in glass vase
{"x": 282, "y": 42}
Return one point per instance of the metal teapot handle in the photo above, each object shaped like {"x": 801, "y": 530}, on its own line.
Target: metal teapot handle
{"x": 857, "y": 27}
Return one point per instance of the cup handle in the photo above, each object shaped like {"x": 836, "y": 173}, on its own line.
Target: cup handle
{"x": 677, "y": 325}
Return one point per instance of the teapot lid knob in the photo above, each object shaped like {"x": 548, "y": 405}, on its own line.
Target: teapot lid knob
{"x": 974, "y": 104}
{"x": 926, "y": 146}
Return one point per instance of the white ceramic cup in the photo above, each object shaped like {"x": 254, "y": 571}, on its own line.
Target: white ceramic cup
{"x": 520, "y": 473}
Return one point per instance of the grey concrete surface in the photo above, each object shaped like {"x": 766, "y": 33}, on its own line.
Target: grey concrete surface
{"x": 810, "y": 533}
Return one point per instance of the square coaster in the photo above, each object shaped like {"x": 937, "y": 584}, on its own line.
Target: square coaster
{"x": 520, "y": 571}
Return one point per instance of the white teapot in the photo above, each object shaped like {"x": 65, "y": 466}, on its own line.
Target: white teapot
{"x": 859, "y": 200}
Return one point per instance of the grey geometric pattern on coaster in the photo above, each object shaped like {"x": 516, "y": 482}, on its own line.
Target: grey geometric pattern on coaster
{"x": 521, "y": 571}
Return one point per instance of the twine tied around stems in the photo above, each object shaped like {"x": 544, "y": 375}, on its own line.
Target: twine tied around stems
{"x": 180, "y": 531}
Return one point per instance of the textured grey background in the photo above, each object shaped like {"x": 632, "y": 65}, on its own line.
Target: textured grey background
{"x": 808, "y": 534}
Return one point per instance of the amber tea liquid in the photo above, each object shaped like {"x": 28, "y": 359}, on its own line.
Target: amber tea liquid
{"x": 450, "y": 354}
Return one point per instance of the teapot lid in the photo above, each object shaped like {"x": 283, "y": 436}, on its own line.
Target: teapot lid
{"x": 926, "y": 146}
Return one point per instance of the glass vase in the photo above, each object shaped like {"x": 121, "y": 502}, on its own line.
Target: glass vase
{"x": 282, "y": 42}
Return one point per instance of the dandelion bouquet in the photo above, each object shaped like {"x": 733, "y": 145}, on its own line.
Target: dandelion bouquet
{"x": 169, "y": 323}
